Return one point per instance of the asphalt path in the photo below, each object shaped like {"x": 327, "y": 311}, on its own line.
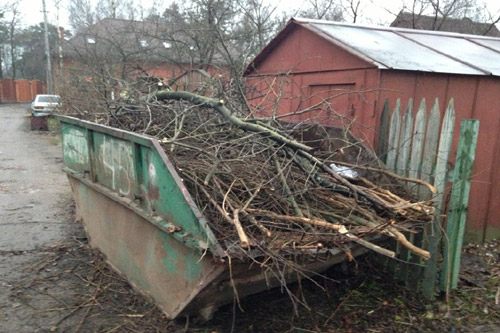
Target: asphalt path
{"x": 35, "y": 210}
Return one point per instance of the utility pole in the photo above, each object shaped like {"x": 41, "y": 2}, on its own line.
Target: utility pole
{"x": 50, "y": 81}
{"x": 60, "y": 40}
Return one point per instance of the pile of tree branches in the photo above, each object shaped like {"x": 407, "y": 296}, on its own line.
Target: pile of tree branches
{"x": 265, "y": 191}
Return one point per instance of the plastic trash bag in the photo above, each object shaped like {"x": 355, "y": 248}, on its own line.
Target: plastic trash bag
{"x": 344, "y": 171}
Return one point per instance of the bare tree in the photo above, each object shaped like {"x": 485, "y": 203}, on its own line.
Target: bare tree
{"x": 258, "y": 22}
{"x": 331, "y": 10}
{"x": 352, "y": 9}
{"x": 122, "y": 9}
{"x": 81, "y": 14}
{"x": 198, "y": 27}
{"x": 464, "y": 16}
{"x": 3, "y": 34}
{"x": 445, "y": 9}
{"x": 15, "y": 18}
{"x": 29, "y": 62}
{"x": 491, "y": 18}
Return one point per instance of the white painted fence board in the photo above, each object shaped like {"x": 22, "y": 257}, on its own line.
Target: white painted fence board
{"x": 444, "y": 149}
{"x": 395, "y": 128}
{"x": 417, "y": 146}
{"x": 405, "y": 141}
{"x": 414, "y": 151}
{"x": 431, "y": 141}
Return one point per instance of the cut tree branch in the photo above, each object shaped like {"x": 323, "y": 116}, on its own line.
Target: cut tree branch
{"x": 219, "y": 106}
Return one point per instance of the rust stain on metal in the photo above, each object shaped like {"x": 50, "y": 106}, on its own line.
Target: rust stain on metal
{"x": 174, "y": 229}
{"x": 154, "y": 191}
{"x": 39, "y": 124}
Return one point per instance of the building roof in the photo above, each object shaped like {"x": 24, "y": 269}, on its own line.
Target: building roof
{"x": 402, "y": 49}
{"x": 463, "y": 25}
{"x": 125, "y": 40}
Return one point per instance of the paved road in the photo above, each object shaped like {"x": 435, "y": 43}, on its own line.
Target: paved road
{"x": 35, "y": 207}
{"x": 32, "y": 185}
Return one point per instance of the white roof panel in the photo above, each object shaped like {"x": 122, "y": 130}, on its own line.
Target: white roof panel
{"x": 491, "y": 43}
{"x": 462, "y": 49}
{"x": 406, "y": 49}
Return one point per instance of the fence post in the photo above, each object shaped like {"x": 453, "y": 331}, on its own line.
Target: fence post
{"x": 458, "y": 203}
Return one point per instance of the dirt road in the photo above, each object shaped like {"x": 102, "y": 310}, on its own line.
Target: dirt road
{"x": 35, "y": 207}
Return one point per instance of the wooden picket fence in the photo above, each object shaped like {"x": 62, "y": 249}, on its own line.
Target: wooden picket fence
{"x": 419, "y": 146}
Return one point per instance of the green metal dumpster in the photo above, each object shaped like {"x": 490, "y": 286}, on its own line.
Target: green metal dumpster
{"x": 138, "y": 213}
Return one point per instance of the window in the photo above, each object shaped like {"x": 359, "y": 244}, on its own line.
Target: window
{"x": 48, "y": 99}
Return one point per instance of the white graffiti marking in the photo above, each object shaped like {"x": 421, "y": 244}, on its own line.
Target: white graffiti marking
{"x": 152, "y": 173}
{"x": 117, "y": 159}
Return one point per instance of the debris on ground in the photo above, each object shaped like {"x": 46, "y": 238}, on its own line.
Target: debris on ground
{"x": 357, "y": 298}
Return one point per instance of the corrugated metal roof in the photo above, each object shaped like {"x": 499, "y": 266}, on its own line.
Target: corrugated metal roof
{"x": 415, "y": 50}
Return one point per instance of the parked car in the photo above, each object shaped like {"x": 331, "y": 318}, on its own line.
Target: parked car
{"x": 44, "y": 105}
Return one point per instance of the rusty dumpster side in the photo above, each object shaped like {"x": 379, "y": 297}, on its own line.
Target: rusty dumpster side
{"x": 139, "y": 214}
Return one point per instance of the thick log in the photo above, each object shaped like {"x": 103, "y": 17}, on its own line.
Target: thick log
{"x": 219, "y": 106}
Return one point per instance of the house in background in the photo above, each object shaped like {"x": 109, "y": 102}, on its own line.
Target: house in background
{"x": 438, "y": 23}
{"x": 341, "y": 74}
{"x": 114, "y": 52}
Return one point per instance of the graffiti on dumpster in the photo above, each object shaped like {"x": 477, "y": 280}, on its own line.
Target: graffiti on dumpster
{"x": 152, "y": 172}
{"x": 118, "y": 164}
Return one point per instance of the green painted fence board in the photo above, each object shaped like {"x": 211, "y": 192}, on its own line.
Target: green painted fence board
{"x": 459, "y": 199}
{"x": 383, "y": 132}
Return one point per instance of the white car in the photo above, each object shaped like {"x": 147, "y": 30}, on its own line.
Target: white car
{"x": 44, "y": 105}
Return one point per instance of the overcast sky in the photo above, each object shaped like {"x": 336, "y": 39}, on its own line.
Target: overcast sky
{"x": 373, "y": 11}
